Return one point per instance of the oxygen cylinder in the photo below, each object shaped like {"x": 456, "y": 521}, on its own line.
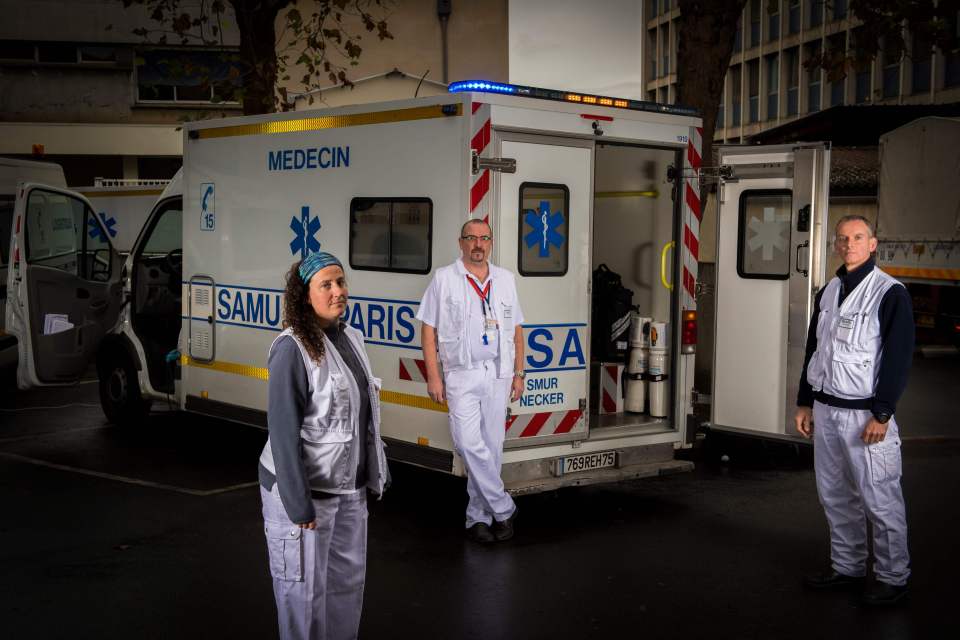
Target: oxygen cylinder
{"x": 657, "y": 364}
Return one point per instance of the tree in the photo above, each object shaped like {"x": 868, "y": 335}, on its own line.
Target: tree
{"x": 319, "y": 42}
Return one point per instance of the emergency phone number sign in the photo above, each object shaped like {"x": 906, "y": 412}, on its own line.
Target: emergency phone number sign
{"x": 208, "y": 207}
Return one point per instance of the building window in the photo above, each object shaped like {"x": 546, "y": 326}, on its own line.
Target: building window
{"x": 863, "y": 86}
{"x": 792, "y": 68}
{"x": 891, "y": 72}
{"x": 839, "y": 9}
{"x": 544, "y": 210}
{"x": 391, "y": 234}
{"x": 754, "y": 23}
{"x": 951, "y": 59}
{"x": 665, "y": 48}
{"x": 720, "y": 125}
{"x": 838, "y": 46}
{"x": 652, "y": 51}
{"x": 738, "y": 36}
{"x": 763, "y": 247}
{"x": 95, "y": 54}
{"x": 753, "y": 96}
{"x": 664, "y": 95}
{"x": 19, "y": 51}
{"x": 735, "y": 92}
{"x": 921, "y": 58}
{"x": 773, "y": 86}
{"x": 815, "y": 13}
{"x": 773, "y": 21}
{"x": 168, "y": 75}
{"x": 653, "y": 8}
{"x": 55, "y": 52}
{"x": 793, "y": 17}
{"x": 813, "y": 79}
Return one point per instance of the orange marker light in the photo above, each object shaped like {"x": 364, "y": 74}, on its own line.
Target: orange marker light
{"x": 573, "y": 97}
{"x": 607, "y": 102}
{"x": 590, "y": 99}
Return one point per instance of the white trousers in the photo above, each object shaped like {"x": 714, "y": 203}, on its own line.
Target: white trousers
{"x": 857, "y": 482}
{"x": 477, "y": 400}
{"x": 318, "y": 575}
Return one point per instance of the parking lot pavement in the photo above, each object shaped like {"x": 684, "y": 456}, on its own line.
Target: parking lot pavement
{"x": 155, "y": 532}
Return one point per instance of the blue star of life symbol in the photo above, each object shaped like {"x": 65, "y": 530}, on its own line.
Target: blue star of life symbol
{"x": 95, "y": 230}
{"x": 304, "y": 229}
{"x": 544, "y": 228}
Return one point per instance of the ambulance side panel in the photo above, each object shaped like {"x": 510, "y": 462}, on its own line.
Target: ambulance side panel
{"x": 256, "y": 202}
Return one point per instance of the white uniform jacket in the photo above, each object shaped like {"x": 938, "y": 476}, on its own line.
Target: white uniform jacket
{"x": 449, "y": 291}
{"x": 847, "y": 360}
{"x": 331, "y": 432}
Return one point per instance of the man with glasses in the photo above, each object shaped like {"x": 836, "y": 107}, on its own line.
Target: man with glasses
{"x": 859, "y": 348}
{"x": 471, "y": 317}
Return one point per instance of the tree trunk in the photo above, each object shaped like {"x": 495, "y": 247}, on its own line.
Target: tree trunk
{"x": 258, "y": 51}
{"x": 707, "y": 32}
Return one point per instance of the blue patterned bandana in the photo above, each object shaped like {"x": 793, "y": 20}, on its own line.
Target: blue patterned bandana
{"x": 314, "y": 262}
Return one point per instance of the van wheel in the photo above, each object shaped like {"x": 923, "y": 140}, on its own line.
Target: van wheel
{"x": 120, "y": 392}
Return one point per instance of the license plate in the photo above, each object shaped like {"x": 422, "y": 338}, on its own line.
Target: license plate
{"x": 584, "y": 462}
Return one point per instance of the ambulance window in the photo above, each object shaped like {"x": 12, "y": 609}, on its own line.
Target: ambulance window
{"x": 544, "y": 223}
{"x": 165, "y": 236}
{"x": 763, "y": 246}
{"x": 391, "y": 234}
{"x": 6, "y": 228}
{"x": 62, "y": 234}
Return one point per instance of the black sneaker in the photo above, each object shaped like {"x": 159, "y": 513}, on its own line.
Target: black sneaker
{"x": 480, "y": 532}
{"x": 503, "y": 530}
{"x": 881, "y": 594}
{"x": 832, "y": 580}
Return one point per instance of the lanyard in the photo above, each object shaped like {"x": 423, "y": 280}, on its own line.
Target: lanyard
{"x": 484, "y": 304}
{"x": 484, "y": 294}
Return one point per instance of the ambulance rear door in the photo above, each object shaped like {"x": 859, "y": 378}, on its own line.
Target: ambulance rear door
{"x": 771, "y": 251}
{"x": 542, "y": 234}
{"x": 64, "y": 285}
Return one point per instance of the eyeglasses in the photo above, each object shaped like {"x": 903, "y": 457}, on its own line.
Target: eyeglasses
{"x": 472, "y": 238}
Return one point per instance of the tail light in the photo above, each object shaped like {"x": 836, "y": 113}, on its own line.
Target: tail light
{"x": 688, "y": 332}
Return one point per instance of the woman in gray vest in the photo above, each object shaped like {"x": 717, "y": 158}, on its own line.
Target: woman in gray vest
{"x": 323, "y": 452}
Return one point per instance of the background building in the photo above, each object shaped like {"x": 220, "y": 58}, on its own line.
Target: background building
{"x": 767, "y": 84}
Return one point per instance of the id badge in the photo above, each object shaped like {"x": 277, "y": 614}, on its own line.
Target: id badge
{"x": 490, "y": 325}
{"x": 845, "y": 327}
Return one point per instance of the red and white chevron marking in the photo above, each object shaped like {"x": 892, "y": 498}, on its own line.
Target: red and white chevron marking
{"x": 527, "y": 425}
{"x": 413, "y": 369}
{"x": 480, "y": 142}
{"x": 611, "y": 400}
{"x": 692, "y": 216}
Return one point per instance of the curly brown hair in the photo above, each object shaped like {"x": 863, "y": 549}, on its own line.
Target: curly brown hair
{"x": 299, "y": 316}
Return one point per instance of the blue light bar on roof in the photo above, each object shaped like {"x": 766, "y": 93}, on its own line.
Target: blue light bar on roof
{"x": 483, "y": 86}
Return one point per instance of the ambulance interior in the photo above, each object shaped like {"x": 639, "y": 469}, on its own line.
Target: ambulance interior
{"x": 633, "y": 231}
{"x": 156, "y": 283}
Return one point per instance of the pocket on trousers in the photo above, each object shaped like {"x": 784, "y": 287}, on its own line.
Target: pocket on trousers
{"x": 285, "y": 548}
{"x": 885, "y": 460}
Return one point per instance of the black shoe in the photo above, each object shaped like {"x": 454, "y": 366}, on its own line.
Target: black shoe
{"x": 881, "y": 594}
{"x": 832, "y": 580}
{"x": 503, "y": 530}
{"x": 480, "y": 532}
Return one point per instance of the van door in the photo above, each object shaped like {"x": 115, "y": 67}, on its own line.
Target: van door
{"x": 771, "y": 250}
{"x": 64, "y": 285}
{"x": 542, "y": 235}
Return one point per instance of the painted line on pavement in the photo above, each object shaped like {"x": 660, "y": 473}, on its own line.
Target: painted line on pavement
{"x": 124, "y": 479}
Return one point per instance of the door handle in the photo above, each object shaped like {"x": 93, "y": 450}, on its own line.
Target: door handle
{"x": 82, "y": 294}
{"x": 98, "y": 305}
{"x": 663, "y": 265}
{"x": 805, "y": 243}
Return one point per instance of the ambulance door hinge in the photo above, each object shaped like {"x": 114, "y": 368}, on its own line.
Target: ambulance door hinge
{"x": 706, "y": 175}
{"x": 502, "y": 165}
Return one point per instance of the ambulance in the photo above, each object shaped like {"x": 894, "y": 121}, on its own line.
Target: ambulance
{"x": 568, "y": 182}
{"x": 123, "y": 206}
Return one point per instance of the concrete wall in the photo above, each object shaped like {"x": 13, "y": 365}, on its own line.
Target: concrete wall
{"x": 593, "y": 47}
{"x": 476, "y": 36}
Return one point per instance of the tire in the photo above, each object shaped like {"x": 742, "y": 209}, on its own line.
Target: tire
{"x": 119, "y": 390}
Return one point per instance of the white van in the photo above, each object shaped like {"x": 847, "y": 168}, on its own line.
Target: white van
{"x": 568, "y": 182}
{"x": 12, "y": 173}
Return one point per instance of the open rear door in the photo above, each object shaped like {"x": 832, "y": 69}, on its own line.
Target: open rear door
{"x": 771, "y": 250}
{"x": 543, "y": 236}
{"x": 64, "y": 285}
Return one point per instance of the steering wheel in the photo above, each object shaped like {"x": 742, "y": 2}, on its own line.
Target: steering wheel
{"x": 173, "y": 262}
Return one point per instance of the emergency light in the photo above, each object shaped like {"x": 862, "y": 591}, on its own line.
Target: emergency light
{"x": 483, "y": 86}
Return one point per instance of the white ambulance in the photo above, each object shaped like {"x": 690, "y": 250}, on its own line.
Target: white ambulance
{"x": 123, "y": 206}
{"x": 567, "y": 181}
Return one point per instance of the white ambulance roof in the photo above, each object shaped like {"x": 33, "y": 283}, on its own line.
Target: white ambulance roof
{"x": 14, "y": 171}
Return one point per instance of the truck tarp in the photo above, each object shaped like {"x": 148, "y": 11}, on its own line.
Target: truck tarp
{"x": 919, "y": 194}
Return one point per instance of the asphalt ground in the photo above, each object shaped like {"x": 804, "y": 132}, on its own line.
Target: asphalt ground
{"x": 155, "y": 532}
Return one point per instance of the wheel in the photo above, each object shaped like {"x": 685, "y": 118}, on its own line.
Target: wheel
{"x": 119, "y": 390}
